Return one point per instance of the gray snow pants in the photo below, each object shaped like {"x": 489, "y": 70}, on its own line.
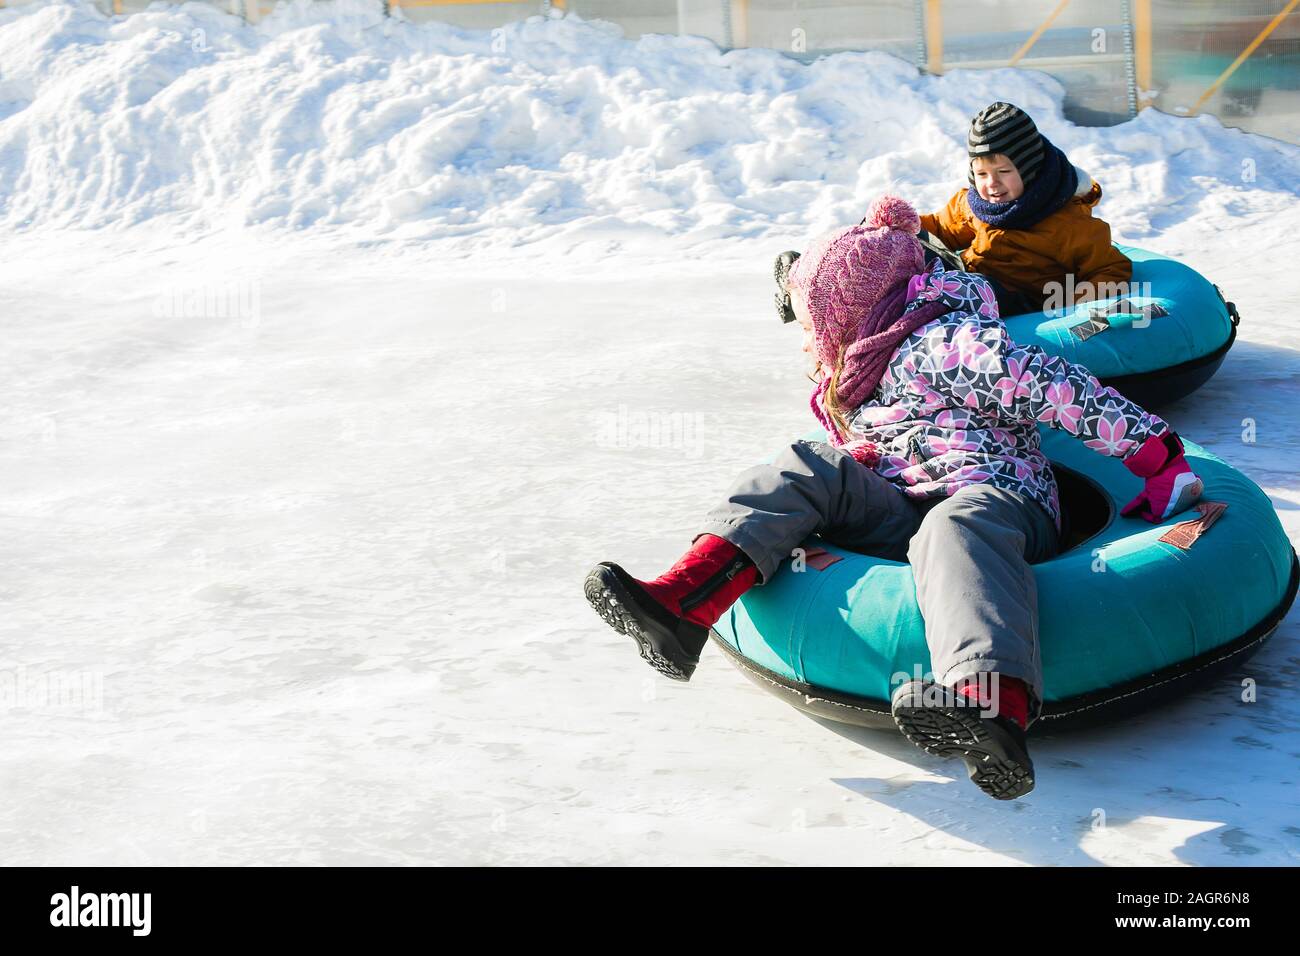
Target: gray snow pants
{"x": 970, "y": 552}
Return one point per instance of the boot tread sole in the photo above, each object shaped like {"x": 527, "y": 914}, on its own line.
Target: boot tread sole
{"x": 606, "y": 594}
{"x": 954, "y": 731}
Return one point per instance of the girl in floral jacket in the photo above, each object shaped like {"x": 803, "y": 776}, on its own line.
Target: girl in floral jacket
{"x": 933, "y": 457}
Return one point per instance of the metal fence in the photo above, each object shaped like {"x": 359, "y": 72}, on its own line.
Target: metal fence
{"x": 1236, "y": 59}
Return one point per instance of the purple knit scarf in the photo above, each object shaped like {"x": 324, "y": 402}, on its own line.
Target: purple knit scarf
{"x": 876, "y": 341}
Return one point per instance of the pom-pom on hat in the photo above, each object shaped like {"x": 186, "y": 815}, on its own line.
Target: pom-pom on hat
{"x": 846, "y": 272}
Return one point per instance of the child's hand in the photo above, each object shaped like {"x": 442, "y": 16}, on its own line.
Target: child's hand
{"x": 1171, "y": 485}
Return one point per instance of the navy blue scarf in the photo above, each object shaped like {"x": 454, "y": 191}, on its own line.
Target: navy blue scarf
{"x": 1050, "y": 190}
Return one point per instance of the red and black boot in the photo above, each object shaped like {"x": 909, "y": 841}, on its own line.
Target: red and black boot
{"x": 670, "y": 617}
{"x": 964, "y": 721}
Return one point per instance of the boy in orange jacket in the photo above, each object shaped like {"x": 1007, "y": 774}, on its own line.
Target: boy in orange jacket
{"x": 1025, "y": 223}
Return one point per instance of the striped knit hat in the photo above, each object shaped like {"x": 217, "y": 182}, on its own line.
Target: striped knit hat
{"x": 1006, "y": 129}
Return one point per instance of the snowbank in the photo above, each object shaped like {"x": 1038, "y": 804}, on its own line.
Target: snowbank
{"x": 329, "y": 116}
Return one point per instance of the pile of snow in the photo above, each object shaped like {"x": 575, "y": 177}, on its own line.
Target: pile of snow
{"x": 331, "y": 116}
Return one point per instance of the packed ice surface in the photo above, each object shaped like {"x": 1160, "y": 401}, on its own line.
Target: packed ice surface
{"x": 337, "y": 349}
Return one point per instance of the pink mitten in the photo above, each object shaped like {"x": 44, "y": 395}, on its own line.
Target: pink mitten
{"x": 1171, "y": 485}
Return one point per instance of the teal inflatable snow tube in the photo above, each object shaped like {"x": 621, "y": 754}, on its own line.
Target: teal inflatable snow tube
{"x": 1125, "y": 619}
{"x": 1152, "y": 357}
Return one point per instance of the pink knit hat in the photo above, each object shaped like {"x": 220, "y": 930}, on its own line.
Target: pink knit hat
{"x": 846, "y": 272}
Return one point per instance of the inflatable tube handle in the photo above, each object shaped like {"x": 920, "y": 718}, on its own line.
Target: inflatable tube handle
{"x": 1233, "y": 314}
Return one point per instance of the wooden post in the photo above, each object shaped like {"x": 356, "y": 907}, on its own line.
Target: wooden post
{"x": 740, "y": 22}
{"x": 934, "y": 36}
{"x": 1142, "y": 50}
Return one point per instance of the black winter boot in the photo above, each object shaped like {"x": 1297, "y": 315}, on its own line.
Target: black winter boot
{"x": 668, "y": 643}
{"x": 993, "y": 748}
{"x": 934, "y": 249}
{"x": 670, "y": 617}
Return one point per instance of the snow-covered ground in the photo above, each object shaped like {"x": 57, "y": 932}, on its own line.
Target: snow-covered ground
{"x": 336, "y": 351}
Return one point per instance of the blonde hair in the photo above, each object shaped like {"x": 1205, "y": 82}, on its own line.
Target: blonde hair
{"x": 835, "y": 409}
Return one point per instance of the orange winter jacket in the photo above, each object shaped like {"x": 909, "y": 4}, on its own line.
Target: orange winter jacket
{"x": 1069, "y": 241}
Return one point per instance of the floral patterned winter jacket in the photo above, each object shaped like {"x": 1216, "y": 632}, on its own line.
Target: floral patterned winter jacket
{"x": 960, "y": 403}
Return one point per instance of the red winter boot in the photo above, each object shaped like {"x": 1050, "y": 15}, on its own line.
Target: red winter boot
{"x": 1013, "y": 697}
{"x": 670, "y": 617}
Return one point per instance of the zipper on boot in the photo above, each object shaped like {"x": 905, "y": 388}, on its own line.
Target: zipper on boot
{"x": 719, "y": 578}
